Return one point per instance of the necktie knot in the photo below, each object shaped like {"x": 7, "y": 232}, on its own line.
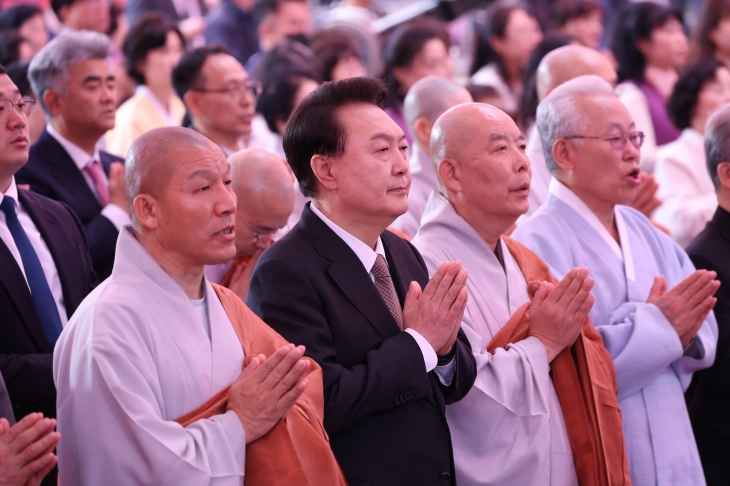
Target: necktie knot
{"x": 380, "y": 268}
{"x": 7, "y": 206}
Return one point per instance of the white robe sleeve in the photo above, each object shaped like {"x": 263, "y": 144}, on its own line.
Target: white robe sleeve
{"x": 114, "y": 419}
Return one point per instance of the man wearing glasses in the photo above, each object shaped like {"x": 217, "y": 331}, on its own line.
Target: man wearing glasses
{"x": 45, "y": 273}
{"x": 653, "y": 310}
{"x": 220, "y": 97}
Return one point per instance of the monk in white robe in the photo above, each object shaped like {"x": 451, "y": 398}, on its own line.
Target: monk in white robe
{"x": 157, "y": 346}
{"x": 427, "y": 100}
{"x": 657, "y": 338}
{"x": 510, "y": 428}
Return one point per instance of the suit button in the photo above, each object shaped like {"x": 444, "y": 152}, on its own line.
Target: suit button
{"x": 445, "y": 478}
{"x": 397, "y": 400}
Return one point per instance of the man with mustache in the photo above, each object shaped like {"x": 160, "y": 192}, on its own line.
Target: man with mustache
{"x": 523, "y": 421}
{"x": 653, "y": 310}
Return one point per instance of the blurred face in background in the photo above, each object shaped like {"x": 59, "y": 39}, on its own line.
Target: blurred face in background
{"x": 720, "y": 36}
{"x": 714, "y": 93}
{"x": 521, "y": 36}
{"x": 34, "y": 31}
{"x": 667, "y": 47}
{"x": 159, "y": 63}
{"x": 432, "y": 59}
{"x": 587, "y": 29}
{"x": 348, "y": 67}
{"x": 292, "y": 19}
{"x": 91, "y": 15}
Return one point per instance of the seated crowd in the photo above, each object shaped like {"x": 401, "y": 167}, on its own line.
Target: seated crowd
{"x": 262, "y": 242}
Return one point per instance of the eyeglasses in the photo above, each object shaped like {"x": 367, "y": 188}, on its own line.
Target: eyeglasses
{"x": 260, "y": 236}
{"x": 25, "y": 106}
{"x": 235, "y": 90}
{"x": 618, "y": 142}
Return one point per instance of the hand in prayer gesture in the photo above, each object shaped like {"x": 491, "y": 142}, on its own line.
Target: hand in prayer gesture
{"x": 241, "y": 278}
{"x": 118, "y": 187}
{"x": 645, "y": 200}
{"x": 557, "y": 313}
{"x": 436, "y": 312}
{"x": 267, "y": 388}
{"x": 26, "y": 450}
{"x": 687, "y": 305}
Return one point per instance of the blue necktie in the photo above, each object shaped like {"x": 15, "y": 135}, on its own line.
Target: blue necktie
{"x": 42, "y": 296}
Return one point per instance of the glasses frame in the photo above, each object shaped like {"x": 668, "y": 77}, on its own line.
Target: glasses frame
{"x": 260, "y": 236}
{"x": 618, "y": 142}
{"x": 4, "y": 117}
{"x": 251, "y": 86}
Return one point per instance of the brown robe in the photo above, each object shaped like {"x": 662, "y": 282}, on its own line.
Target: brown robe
{"x": 296, "y": 452}
{"x": 585, "y": 382}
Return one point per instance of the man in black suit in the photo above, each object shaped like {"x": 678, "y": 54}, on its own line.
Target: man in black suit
{"x": 74, "y": 81}
{"x": 45, "y": 273}
{"x": 392, "y": 355}
{"x": 708, "y": 398}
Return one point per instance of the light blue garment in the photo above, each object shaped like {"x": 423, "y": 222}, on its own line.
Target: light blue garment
{"x": 651, "y": 371}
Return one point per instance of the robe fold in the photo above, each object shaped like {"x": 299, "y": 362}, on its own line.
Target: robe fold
{"x": 296, "y": 452}
{"x": 518, "y": 425}
{"x": 652, "y": 370}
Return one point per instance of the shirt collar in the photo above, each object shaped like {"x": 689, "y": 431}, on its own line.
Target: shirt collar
{"x": 12, "y": 192}
{"x": 80, "y": 157}
{"x": 366, "y": 254}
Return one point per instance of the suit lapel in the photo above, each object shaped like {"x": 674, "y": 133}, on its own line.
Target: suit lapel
{"x": 106, "y": 161}
{"x": 349, "y": 274}
{"x": 11, "y": 277}
{"x": 61, "y": 249}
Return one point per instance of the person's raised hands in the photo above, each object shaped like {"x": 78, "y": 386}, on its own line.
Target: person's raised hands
{"x": 26, "y": 450}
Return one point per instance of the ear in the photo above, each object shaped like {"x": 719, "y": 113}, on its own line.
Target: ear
{"x": 191, "y": 102}
{"x": 450, "y": 175}
{"x": 564, "y": 154}
{"x": 322, "y": 168}
{"x": 723, "y": 172}
{"x": 422, "y": 129}
{"x": 145, "y": 209}
{"x": 496, "y": 44}
{"x": 53, "y": 101}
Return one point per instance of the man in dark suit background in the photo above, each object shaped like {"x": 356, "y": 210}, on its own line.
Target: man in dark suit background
{"x": 75, "y": 84}
{"x": 392, "y": 355}
{"x": 708, "y": 397}
{"x": 45, "y": 273}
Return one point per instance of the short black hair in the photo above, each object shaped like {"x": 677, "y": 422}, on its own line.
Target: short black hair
{"x": 332, "y": 45}
{"x": 683, "y": 100}
{"x": 636, "y": 23}
{"x": 276, "y": 102}
{"x": 18, "y": 73}
{"x": 149, "y": 33}
{"x": 564, "y": 11}
{"x": 57, "y": 5}
{"x": 10, "y": 41}
{"x": 186, "y": 74}
{"x": 315, "y": 126}
{"x": 14, "y": 17}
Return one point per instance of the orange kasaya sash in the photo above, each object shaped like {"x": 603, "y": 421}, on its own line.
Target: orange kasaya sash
{"x": 585, "y": 382}
{"x": 243, "y": 261}
{"x": 296, "y": 452}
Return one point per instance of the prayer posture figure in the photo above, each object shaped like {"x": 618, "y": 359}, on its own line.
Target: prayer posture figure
{"x": 652, "y": 308}
{"x": 544, "y": 408}
{"x": 148, "y": 370}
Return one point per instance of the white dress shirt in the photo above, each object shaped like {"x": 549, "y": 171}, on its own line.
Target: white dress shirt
{"x": 40, "y": 247}
{"x": 368, "y": 256}
{"x": 81, "y": 158}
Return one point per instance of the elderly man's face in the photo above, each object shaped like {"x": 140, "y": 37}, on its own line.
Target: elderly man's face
{"x": 90, "y": 100}
{"x": 372, "y": 177}
{"x": 197, "y": 209}
{"x": 14, "y": 137}
{"x": 493, "y": 170}
{"x": 258, "y": 220}
{"x": 602, "y": 173}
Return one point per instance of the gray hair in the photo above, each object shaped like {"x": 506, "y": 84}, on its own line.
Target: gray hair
{"x": 49, "y": 68}
{"x": 717, "y": 141}
{"x": 558, "y": 115}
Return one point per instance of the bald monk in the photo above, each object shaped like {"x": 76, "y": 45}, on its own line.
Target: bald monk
{"x": 544, "y": 407}
{"x": 557, "y": 67}
{"x": 152, "y": 387}
{"x": 262, "y": 183}
{"x": 427, "y": 99}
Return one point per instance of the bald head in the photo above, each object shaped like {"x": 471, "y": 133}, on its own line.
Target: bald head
{"x": 152, "y": 158}
{"x": 427, "y": 100}
{"x": 264, "y": 186}
{"x": 568, "y": 62}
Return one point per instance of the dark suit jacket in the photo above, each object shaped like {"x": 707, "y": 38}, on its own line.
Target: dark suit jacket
{"x": 708, "y": 398}
{"x": 137, "y": 8}
{"x": 383, "y": 412}
{"x": 26, "y": 356}
{"x": 228, "y": 24}
{"x": 50, "y": 171}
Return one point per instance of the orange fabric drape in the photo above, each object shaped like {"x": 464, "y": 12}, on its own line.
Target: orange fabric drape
{"x": 585, "y": 382}
{"x": 243, "y": 261}
{"x": 296, "y": 452}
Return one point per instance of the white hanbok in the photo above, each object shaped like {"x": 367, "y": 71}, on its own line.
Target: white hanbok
{"x": 652, "y": 371}
{"x": 540, "y": 181}
{"x": 509, "y": 429}
{"x": 134, "y": 357}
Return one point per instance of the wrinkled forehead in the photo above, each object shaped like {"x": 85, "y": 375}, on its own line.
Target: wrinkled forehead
{"x": 363, "y": 122}
{"x": 603, "y": 113}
